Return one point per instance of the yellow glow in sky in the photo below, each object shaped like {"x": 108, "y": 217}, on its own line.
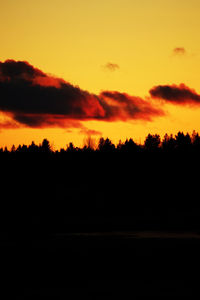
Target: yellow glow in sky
{"x": 76, "y": 39}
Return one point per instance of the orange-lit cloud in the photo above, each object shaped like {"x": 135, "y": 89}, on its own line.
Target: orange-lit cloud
{"x": 35, "y": 99}
{"x": 176, "y": 94}
{"x": 8, "y": 124}
{"x": 125, "y": 107}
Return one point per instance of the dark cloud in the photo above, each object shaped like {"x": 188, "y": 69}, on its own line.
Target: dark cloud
{"x": 35, "y": 99}
{"x": 129, "y": 107}
{"x": 15, "y": 70}
{"x": 176, "y": 94}
{"x": 179, "y": 51}
{"x": 39, "y": 100}
{"x": 111, "y": 66}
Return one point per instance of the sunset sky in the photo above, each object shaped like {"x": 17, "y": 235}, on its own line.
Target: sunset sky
{"x": 111, "y": 68}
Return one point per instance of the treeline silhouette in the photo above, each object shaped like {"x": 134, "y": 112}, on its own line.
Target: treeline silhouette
{"x": 102, "y": 187}
{"x": 179, "y": 143}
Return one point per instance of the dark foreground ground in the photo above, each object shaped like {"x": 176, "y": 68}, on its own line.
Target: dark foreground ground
{"x": 100, "y": 267}
{"x": 64, "y": 223}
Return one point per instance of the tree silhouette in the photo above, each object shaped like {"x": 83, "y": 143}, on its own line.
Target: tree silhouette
{"x": 196, "y": 141}
{"x": 33, "y": 148}
{"x": 45, "y": 147}
{"x": 6, "y": 149}
{"x": 24, "y": 148}
{"x": 128, "y": 146}
{"x": 183, "y": 142}
{"x": 13, "y": 149}
{"x": 168, "y": 143}
{"x": 71, "y": 148}
{"x": 152, "y": 142}
{"x": 105, "y": 145}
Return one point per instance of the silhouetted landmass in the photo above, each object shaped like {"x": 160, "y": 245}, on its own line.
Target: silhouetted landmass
{"x": 48, "y": 198}
{"x": 103, "y": 188}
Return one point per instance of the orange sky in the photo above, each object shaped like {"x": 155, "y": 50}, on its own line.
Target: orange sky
{"x": 78, "y": 41}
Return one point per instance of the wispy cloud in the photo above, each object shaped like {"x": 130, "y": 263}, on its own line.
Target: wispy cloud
{"x": 179, "y": 51}
{"x": 89, "y": 132}
{"x": 111, "y": 67}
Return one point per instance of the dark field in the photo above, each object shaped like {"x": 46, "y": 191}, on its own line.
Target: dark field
{"x": 100, "y": 266}
{"x": 98, "y": 226}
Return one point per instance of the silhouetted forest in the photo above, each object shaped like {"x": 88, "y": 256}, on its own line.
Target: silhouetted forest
{"x": 102, "y": 186}
{"x": 49, "y": 197}
{"x": 169, "y": 144}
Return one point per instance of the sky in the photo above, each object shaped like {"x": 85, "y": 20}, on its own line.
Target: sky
{"x": 105, "y": 58}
